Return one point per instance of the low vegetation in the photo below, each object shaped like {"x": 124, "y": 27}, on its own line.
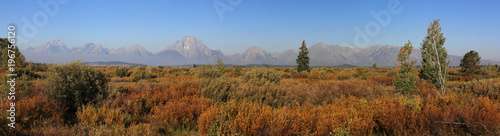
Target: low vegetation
{"x": 259, "y": 101}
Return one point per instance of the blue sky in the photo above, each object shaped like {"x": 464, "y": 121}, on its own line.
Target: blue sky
{"x": 274, "y": 25}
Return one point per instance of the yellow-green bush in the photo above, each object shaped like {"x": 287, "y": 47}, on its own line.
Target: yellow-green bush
{"x": 261, "y": 76}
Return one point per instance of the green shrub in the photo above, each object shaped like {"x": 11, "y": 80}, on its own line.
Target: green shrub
{"x": 237, "y": 70}
{"x": 328, "y": 69}
{"x": 361, "y": 72}
{"x": 208, "y": 72}
{"x": 122, "y": 72}
{"x": 261, "y": 76}
{"x": 76, "y": 84}
{"x": 217, "y": 89}
{"x": 139, "y": 73}
{"x": 221, "y": 66}
{"x": 178, "y": 71}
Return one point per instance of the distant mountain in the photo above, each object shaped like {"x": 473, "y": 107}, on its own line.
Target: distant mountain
{"x": 333, "y": 55}
{"x": 90, "y": 48}
{"x": 112, "y": 63}
{"x": 55, "y": 46}
{"x": 190, "y": 51}
{"x": 170, "y": 54}
{"x": 134, "y": 50}
{"x": 193, "y": 50}
{"x": 288, "y": 57}
{"x": 121, "y": 50}
{"x": 254, "y": 55}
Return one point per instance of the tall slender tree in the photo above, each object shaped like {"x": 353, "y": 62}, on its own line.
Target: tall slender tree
{"x": 434, "y": 56}
{"x": 303, "y": 59}
{"x": 405, "y": 79}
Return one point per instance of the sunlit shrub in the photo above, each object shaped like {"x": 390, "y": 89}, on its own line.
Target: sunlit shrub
{"x": 236, "y": 118}
{"x": 122, "y": 71}
{"x": 140, "y": 72}
{"x": 218, "y": 89}
{"x": 486, "y": 87}
{"x": 317, "y": 74}
{"x": 400, "y": 117}
{"x": 76, "y": 84}
{"x": 139, "y": 98}
{"x": 208, "y": 72}
{"x": 237, "y": 70}
{"x": 52, "y": 130}
{"x": 362, "y": 73}
{"x": 261, "y": 76}
{"x": 102, "y": 115}
{"x": 182, "y": 113}
{"x": 384, "y": 80}
{"x": 345, "y": 74}
{"x": 32, "y": 112}
{"x": 324, "y": 92}
{"x": 179, "y": 71}
{"x": 141, "y": 129}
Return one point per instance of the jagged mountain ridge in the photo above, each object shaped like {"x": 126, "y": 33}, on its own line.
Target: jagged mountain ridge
{"x": 55, "y": 46}
{"x": 193, "y": 50}
{"x": 190, "y": 50}
{"x": 134, "y": 50}
{"x": 254, "y": 55}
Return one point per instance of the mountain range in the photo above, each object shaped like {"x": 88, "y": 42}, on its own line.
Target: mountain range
{"x": 190, "y": 50}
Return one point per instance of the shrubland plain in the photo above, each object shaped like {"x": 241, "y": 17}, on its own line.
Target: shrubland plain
{"x": 78, "y": 99}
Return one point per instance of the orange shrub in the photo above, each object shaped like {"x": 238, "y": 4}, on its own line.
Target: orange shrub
{"x": 32, "y": 112}
{"x": 482, "y": 117}
{"x": 182, "y": 113}
{"x": 486, "y": 87}
{"x": 256, "y": 119}
{"x": 399, "y": 116}
{"x": 139, "y": 98}
{"x": 236, "y": 118}
{"x": 103, "y": 115}
{"x": 324, "y": 92}
{"x": 384, "y": 80}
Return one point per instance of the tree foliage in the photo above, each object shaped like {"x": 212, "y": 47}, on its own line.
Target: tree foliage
{"x": 434, "y": 57}
{"x": 19, "y": 60}
{"x": 405, "y": 79}
{"x": 470, "y": 63}
{"x": 303, "y": 59}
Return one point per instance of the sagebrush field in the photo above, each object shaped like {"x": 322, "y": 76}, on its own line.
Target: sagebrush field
{"x": 208, "y": 100}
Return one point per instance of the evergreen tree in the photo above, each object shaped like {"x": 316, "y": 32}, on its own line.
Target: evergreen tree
{"x": 374, "y": 65}
{"x": 303, "y": 59}
{"x": 405, "y": 79}
{"x": 470, "y": 63}
{"x": 434, "y": 57}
